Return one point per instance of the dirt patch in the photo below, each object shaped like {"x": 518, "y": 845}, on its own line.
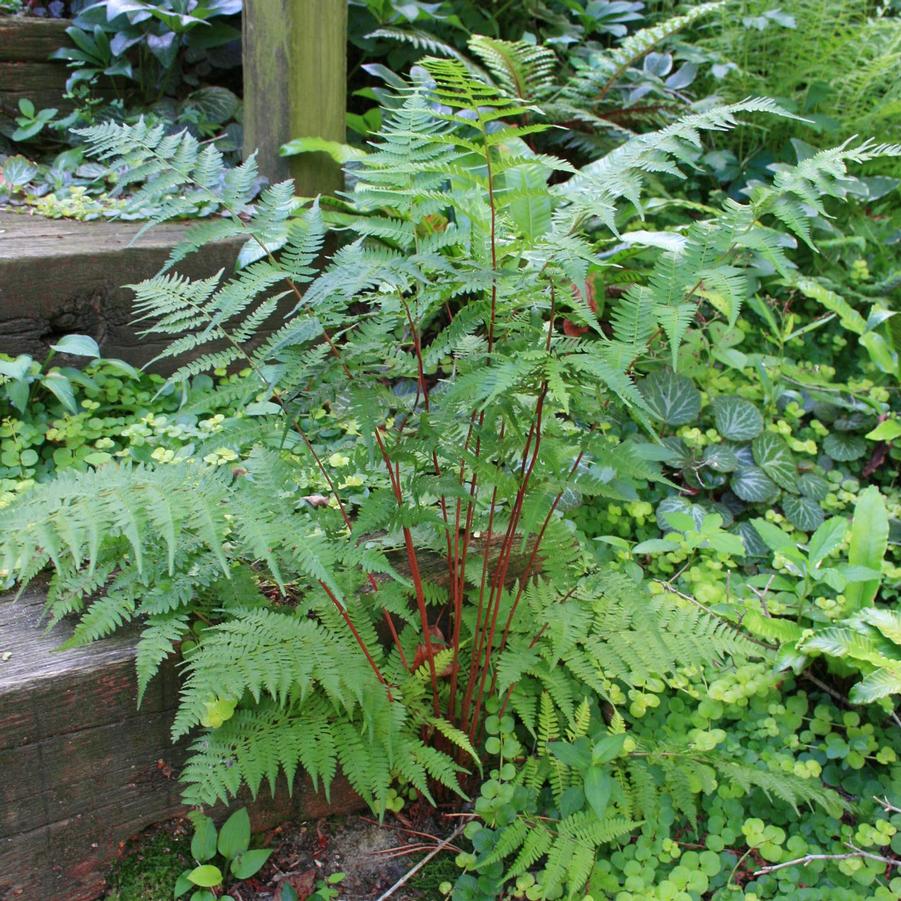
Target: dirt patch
{"x": 372, "y": 857}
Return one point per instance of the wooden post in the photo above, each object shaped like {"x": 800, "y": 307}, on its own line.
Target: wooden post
{"x": 295, "y": 85}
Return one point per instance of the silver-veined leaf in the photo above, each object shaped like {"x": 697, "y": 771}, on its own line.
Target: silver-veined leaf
{"x": 736, "y": 418}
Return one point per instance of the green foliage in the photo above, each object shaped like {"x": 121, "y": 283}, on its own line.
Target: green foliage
{"x": 159, "y": 46}
{"x": 433, "y": 603}
{"x": 56, "y": 418}
{"x": 230, "y": 845}
{"x": 790, "y": 56}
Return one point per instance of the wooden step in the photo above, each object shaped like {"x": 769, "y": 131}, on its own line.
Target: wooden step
{"x": 59, "y": 276}
{"x": 26, "y": 70}
{"x": 81, "y": 768}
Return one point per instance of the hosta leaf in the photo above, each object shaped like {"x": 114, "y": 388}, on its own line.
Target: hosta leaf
{"x": 234, "y": 837}
{"x": 206, "y": 875}
{"x": 802, "y": 512}
{"x": 772, "y": 455}
{"x": 868, "y": 544}
{"x": 878, "y": 684}
{"x": 813, "y": 486}
{"x": 844, "y": 447}
{"x": 736, "y": 418}
{"x": 671, "y": 398}
{"x": 249, "y": 862}
{"x": 203, "y": 844}
{"x": 752, "y": 484}
{"x": 720, "y": 457}
{"x": 826, "y": 539}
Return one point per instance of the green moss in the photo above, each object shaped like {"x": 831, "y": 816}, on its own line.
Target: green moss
{"x": 439, "y": 869}
{"x": 149, "y": 868}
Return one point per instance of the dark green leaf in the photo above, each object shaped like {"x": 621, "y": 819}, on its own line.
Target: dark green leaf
{"x": 844, "y": 447}
{"x": 752, "y": 484}
{"x": 671, "y": 398}
{"x": 608, "y": 748}
{"x": 772, "y": 455}
{"x": 813, "y": 486}
{"x": 720, "y": 457}
{"x": 182, "y": 885}
{"x": 576, "y": 755}
{"x": 802, "y": 512}
{"x": 754, "y": 544}
{"x": 736, "y": 418}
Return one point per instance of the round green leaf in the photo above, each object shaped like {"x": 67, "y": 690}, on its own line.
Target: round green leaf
{"x": 772, "y": 455}
{"x": 844, "y": 447}
{"x": 736, "y": 418}
{"x": 677, "y": 504}
{"x": 752, "y": 484}
{"x": 206, "y": 876}
{"x": 671, "y": 398}
{"x": 249, "y": 862}
{"x": 217, "y": 712}
{"x": 802, "y": 512}
{"x": 813, "y": 486}
{"x": 29, "y": 457}
{"x": 720, "y": 457}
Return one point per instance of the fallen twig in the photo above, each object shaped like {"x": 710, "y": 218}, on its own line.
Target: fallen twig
{"x": 412, "y": 872}
{"x": 810, "y": 858}
{"x": 886, "y": 805}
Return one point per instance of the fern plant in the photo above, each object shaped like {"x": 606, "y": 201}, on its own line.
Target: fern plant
{"x": 601, "y": 95}
{"x": 371, "y": 634}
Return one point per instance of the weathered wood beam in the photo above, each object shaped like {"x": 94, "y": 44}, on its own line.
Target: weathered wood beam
{"x": 26, "y": 71}
{"x": 295, "y": 85}
{"x": 58, "y": 276}
{"x": 82, "y": 769}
